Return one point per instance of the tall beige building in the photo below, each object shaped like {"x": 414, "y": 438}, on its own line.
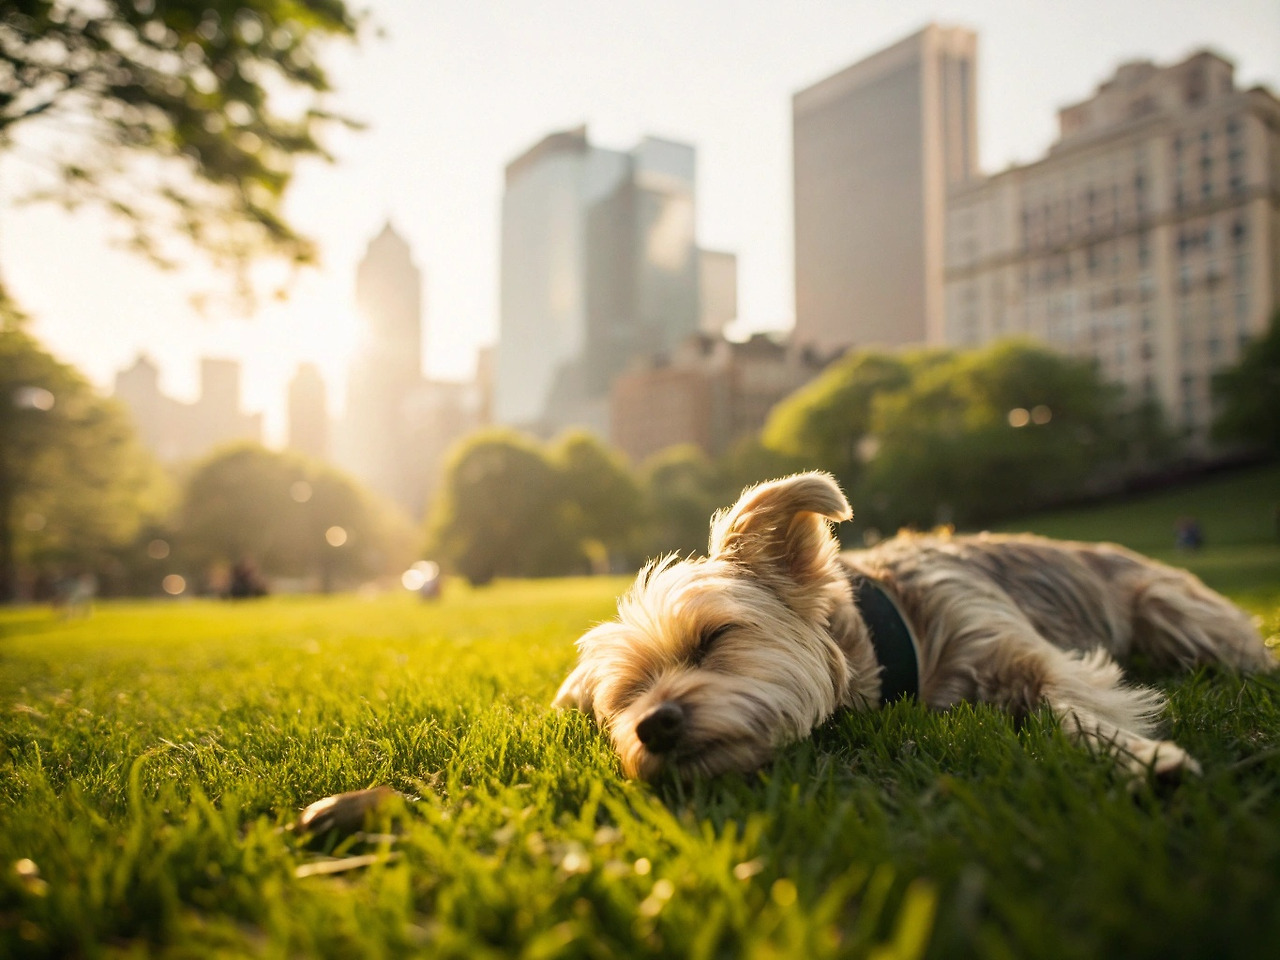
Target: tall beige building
{"x": 308, "y": 412}
{"x": 717, "y": 291}
{"x": 385, "y": 371}
{"x": 875, "y": 148}
{"x": 1148, "y": 237}
{"x": 175, "y": 431}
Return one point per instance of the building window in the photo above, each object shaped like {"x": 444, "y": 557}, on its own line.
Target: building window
{"x": 1239, "y": 230}
{"x": 1184, "y": 278}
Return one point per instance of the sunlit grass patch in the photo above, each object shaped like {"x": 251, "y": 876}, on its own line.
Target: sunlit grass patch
{"x": 153, "y": 754}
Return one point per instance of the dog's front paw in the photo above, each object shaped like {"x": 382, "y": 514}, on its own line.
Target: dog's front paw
{"x": 1163, "y": 760}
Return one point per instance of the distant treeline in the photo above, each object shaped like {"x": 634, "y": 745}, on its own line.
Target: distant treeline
{"x": 916, "y": 439}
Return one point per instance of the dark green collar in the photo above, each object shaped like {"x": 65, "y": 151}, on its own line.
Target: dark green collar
{"x": 891, "y": 638}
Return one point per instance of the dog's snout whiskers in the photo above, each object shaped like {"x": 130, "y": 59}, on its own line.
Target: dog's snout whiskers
{"x": 661, "y": 729}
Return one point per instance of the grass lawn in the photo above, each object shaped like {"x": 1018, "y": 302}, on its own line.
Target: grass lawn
{"x": 151, "y": 754}
{"x": 1239, "y": 513}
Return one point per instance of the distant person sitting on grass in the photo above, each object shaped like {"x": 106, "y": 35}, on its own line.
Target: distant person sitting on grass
{"x": 1188, "y": 535}
{"x": 246, "y": 582}
{"x": 74, "y": 597}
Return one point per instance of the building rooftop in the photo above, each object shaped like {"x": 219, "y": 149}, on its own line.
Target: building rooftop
{"x": 563, "y": 141}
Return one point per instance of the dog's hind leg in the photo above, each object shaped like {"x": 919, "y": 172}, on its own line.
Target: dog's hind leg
{"x": 1085, "y": 693}
{"x": 1176, "y": 618}
{"x": 980, "y": 645}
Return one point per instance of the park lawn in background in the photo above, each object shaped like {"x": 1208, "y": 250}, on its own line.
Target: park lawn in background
{"x": 1239, "y": 513}
{"x": 152, "y": 753}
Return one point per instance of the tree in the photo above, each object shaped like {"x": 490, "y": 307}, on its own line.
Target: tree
{"x": 288, "y": 515}
{"x": 184, "y": 136}
{"x": 826, "y": 421}
{"x": 989, "y": 433}
{"x": 682, "y": 490}
{"x": 502, "y": 511}
{"x": 74, "y": 481}
{"x": 603, "y": 499}
{"x": 1249, "y": 394}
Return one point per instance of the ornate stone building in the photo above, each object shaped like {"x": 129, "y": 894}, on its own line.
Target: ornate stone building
{"x": 1148, "y": 237}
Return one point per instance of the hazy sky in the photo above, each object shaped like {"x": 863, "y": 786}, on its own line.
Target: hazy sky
{"x": 455, "y": 90}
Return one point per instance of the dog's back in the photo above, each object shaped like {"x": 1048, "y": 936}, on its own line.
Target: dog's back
{"x": 1079, "y": 596}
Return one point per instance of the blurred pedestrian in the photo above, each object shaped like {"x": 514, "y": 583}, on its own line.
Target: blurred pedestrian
{"x": 1188, "y": 535}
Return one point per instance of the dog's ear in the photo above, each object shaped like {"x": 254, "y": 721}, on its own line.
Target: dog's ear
{"x": 780, "y": 531}
{"x": 577, "y": 692}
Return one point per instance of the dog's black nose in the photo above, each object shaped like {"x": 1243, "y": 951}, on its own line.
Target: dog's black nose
{"x": 660, "y": 729}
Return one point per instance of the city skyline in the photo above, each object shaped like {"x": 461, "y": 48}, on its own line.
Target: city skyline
{"x": 443, "y": 167}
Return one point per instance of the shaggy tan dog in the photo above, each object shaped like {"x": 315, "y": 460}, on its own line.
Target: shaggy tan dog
{"x": 713, "y": 663}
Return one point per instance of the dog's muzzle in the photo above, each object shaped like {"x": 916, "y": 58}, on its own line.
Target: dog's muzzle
{"x": 662, "y": 727}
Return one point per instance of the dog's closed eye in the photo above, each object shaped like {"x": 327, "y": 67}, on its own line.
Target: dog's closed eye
{"x": 706, "y": 642}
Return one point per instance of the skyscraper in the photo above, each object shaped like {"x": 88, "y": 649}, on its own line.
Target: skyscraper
{"x": 718, "y": 290}
{"x": 389, "y": 300}
{"x": 308, "y": 413}
{"x": 599, "y": 265}
{"x": 387, "y": 367}
{"x": 875, "y": 148}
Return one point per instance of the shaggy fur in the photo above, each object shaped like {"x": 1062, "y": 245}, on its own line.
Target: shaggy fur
{"x": 713, "y": 663}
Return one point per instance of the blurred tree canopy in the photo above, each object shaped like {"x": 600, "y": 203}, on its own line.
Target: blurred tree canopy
{"x": 682, "y": 492}
{"x": 1249, "y": 394}
{"x": 603, "y": 500}
{"x": 988, "y": 434}
{"x": 75, "y": 483}
{"x": 192, "y": 114}
{"x": 965, "y": 437}
{"x": 513, "y": 507}
{"x": 290, "y": 516}
{"x": 826, "y": 420}
{"x": 504, "y": 511}
{"x": 916, "y": 439}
